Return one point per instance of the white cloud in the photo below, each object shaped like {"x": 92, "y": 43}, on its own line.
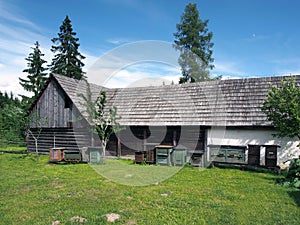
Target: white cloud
{"x": 118, "y": 41}
{"x": 17, "y": 37}
{"x": 5, "y": 13}
{"x": 227, "y": 69}
{"x": 154, "y": 58}
{"x": 144, "y": 74}
{"x": 9, "y": 82}
{"x": 286, "y": 61}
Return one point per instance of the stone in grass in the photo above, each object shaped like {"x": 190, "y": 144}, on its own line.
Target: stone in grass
{"x": 112, "y": 217}
{"x": 78, "y": 219}
{"x": 164, "y": 195}
{"x": 56, "y": 222}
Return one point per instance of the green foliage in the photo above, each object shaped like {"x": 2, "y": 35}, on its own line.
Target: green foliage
{"x": 11, "y": 118}
{"x": 41, "y": 193}
{"x": 36, "y": 77}
{"x": 293, "y": 175}
{"x": 88, "y": 103}
{"x": 106, "y": 125}
{"x": 193, "y": 41}
{"x": 282, "y": 107}
{"x": 67, "y": 60}
{"x": 104, "y": 122}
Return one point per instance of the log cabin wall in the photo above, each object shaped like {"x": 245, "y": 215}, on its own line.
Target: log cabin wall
{"x": 59, "y": 137}
{"x": 57, "y": 122}
{"x": 134, "y": 138}
{"x": 170, "y": 114}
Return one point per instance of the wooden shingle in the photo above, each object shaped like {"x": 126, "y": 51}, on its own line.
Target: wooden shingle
{"x": 235, "y": 102}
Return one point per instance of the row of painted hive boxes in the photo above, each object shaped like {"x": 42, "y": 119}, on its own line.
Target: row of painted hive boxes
{"x": 159, "y": 155}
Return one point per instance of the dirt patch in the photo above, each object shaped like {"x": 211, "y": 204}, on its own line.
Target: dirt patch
{"x": 112, "y": 217}
{"x": 107, "y": 181}
{"x": 78, "y": 219}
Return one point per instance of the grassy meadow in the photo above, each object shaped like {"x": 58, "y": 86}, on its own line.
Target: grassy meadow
{"x": 36, "y": 192}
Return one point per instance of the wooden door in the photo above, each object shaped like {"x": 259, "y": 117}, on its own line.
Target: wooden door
{"x": 271, "y": 156}
{"x": 254, "y": 155}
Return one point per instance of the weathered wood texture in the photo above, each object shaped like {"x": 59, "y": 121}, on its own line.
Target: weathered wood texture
{"x": 58, "y": 137}
{"x": 53, "y": 108}
{"x": 170, "y": 115}
{"x": 135, "y": 137}
{"x": 235, "y": 102}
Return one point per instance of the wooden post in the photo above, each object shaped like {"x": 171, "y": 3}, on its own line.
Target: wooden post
{"x": 145, "y": 140}
{"x": 174, "y": 137}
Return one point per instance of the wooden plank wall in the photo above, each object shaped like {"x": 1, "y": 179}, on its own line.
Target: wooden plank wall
{"x": 135, "y": 136}
{"x": 52, "y": 109}
{"x": 76, "y": 138}
{"x": 59, "y": 137}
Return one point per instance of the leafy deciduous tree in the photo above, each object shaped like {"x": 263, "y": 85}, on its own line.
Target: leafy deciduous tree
{"x": 282, "y": 107}
{"x": 193, "y": 41}
{"x": 37, "y": 121}
{"x": 102, "y": 123}
{"x": 67, "y": 60}
{"x": 106, "y": 125}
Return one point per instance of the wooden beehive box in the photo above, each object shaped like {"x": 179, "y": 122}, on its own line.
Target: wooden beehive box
{"x": 56, "y": 154}
{"x": 72, "y": 156}
{"x": 151, "y": 156}
{"x": 140, "y": 156}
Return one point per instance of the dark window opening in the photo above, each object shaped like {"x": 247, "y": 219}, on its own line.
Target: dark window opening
{"x": 140, "y": 132}
{"x": 67, "y": 103}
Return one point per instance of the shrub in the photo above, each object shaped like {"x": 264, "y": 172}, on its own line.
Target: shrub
{"x": 293, "y": 175}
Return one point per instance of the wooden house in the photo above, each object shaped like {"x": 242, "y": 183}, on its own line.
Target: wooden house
{"x": 220, "y": 120}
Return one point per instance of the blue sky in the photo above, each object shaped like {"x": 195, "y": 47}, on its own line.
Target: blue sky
{"x": 252, "y": 37}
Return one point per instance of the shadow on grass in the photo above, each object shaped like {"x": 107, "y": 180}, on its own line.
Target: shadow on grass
{"x": 295, "y": 195}
{"x": 14, "y": 151}
{"x": 245, "y": 167}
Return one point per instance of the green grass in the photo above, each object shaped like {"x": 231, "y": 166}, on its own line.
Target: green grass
{"x": 13, "y": 149}
{"x": 39, "y": 193}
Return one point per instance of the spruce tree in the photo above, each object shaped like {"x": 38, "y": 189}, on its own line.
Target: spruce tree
{"x": 36, "y": 77}
{"x": 193, "y": 41}
{"x": 67, "y": 60}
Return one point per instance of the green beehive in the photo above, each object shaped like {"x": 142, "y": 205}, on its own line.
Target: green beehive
{"x": 94, "y": 155}
{"x": 163, "y": 155}
{"x": 72, "y": 156}
{"x": 179, "y": 157}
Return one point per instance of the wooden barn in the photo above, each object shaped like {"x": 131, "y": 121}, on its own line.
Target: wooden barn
{"x": 217, "y": 121}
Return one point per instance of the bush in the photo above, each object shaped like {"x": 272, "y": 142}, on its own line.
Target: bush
{"x": 293, "y": 175}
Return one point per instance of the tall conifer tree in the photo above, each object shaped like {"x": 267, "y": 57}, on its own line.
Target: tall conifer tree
{"x": 193, "y": 41}
{"x": 67, "y": 59}
{"x": 36, "y": 77}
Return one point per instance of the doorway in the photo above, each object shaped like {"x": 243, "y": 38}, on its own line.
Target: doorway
{"x": 254, "y": 155}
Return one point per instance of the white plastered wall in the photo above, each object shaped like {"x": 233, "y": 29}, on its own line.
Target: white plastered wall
{"x": 243, "y": 137}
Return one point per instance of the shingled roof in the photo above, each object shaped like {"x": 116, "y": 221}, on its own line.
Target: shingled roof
{"x": 234, "y": 102}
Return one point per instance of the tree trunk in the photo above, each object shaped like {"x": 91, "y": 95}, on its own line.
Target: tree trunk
{"x": 36, "y": 148}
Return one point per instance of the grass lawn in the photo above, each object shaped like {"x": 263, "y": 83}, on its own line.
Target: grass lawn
{"x": 40, "y": 193}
